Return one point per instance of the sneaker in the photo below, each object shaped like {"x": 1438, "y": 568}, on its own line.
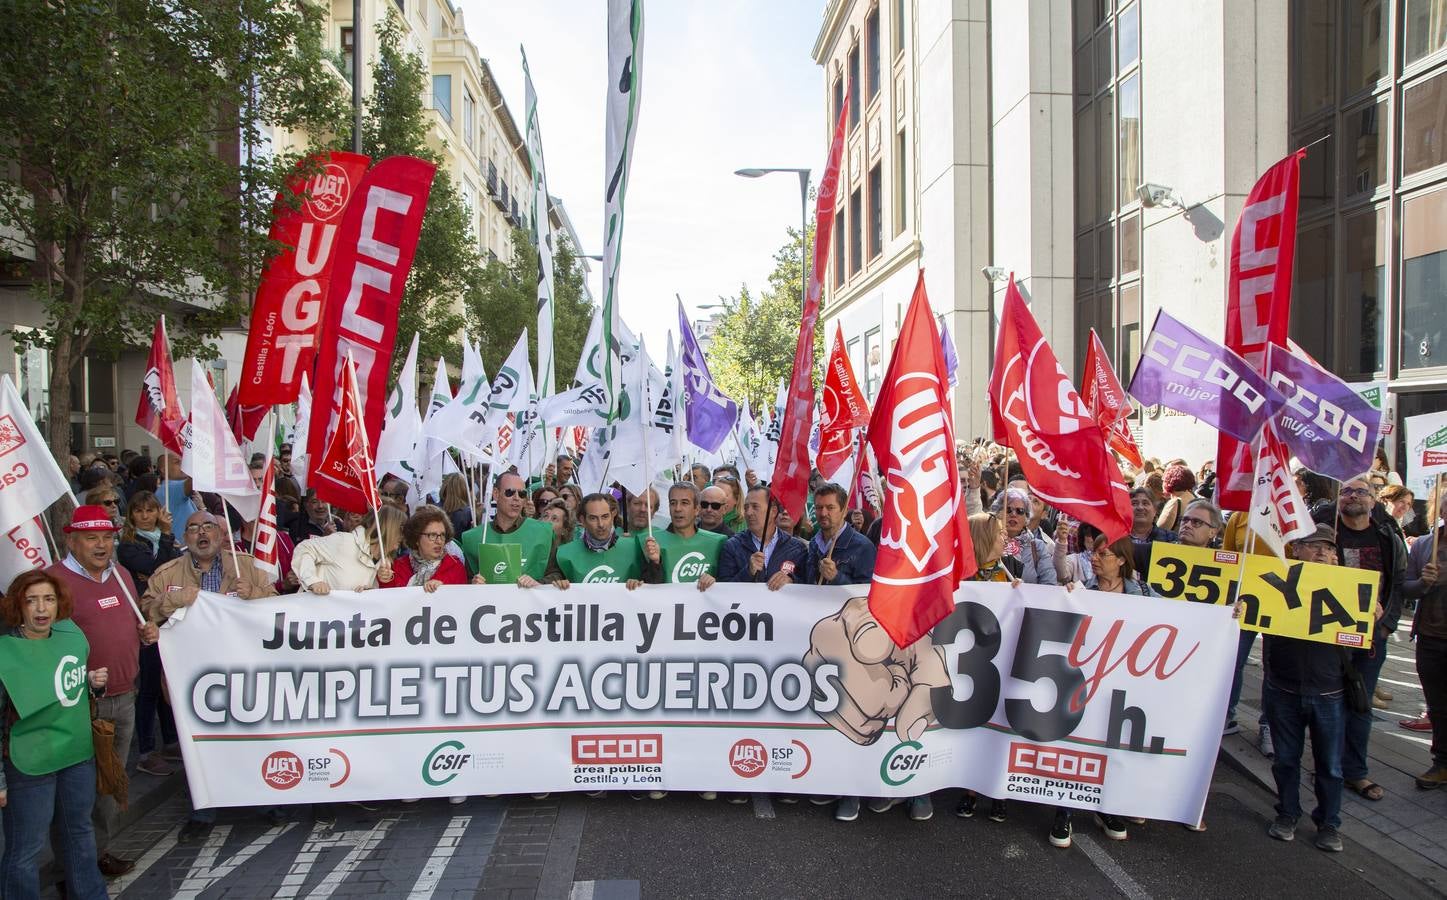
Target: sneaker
{"x": 154, "y": 764}
{"x": 1264, "y": 742}
{"x": 1061, "y": 831}
{"x": 708, "y": 795}
{"x": 457, "y": 801}
{"x": 883, "y": 804}
{"x": 543, "y": 796}
{"x": 1433, "y": 778}
{"x": 997, "y": 810}
{"x": 411, "y": 799}
{"x": 921, "y": 809}
{"x": 737, "y": 799}
{"x": 787, "y": 799}
{"x": 594, "y": 794}
{"x": 1112, "y": 825}
{"x": 1283, "y": 829}
{"x": 657, "y": 795}
{"x": 325, "y": 817}
{"x": 364, "y": 805}
{"x": 1231, "y": 728}
{"x": 1327, "y": 839}
{"x": 1422, "y": 723}
{"x": 192, "y": 832}
{"x": 966, "y": 807}
{"x": 847, "y": 810}
{"x": 823, "y": 800}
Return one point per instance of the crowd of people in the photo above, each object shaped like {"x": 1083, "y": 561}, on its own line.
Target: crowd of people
{"x": 142, "y": 545}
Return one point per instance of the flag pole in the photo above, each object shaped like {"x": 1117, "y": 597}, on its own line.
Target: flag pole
{"x": 231, "y": 541}
{"x": 270, "y": 454}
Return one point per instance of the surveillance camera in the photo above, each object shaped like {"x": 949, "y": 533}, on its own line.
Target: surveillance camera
{"x": 995, "y": 273}
{"x": 1153, "y": 195}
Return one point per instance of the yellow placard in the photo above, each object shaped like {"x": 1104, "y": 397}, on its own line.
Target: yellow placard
{"x": 1309, "y": 601}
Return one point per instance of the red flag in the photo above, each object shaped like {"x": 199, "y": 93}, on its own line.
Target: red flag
{"x": 159, "y": 411}
{"x": 924, "y": 543}
{"x": 287, "y": 314}
{"x": 265, "y": 547}
{"x": 245, "y": 421}
{"x": 1258, "y": 303}
{"x": 1038, "y": 414}
{"x": 845, "y": 409}
{"x": 1108, "y": 402}
{"x": 790, "y": 481}
{"x": 348, "y": 457}
{"x": 375, "y": 245}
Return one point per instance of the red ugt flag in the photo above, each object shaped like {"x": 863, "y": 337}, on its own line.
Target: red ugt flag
{"x": 159, "y": 411}
{"x": 1038, "y": 414}
{"x": 924, "y": 542}
{"x": 245, "y": 421}
{"x": 264, "y": 545}
{"x": 845, "y": 409}
{"x": 348, "y": 457}
{"x": 1108, "y": 402}
{"x": 790, "y": 481}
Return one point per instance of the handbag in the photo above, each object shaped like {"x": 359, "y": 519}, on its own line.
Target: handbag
{"x": 1354, "y": 687}
{"x": 110, "y": 769}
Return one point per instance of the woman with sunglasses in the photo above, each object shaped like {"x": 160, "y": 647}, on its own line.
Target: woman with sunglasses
{"x": 426, "y": 562}
{"x": 107, "y": 496}
{"x": 1035, "y": 555}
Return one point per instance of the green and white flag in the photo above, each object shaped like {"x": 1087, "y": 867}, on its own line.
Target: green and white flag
{"x": 625, "y": 78}
{"x": 403, "y": 426}
{"x": 542, "y": 228}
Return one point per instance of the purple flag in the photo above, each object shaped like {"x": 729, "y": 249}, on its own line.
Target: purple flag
{"x": 952, "y": 359}
{"x": 1184, "y": 370}
{"x": 709, "y": 414}
{"x": 1329, "y": 427}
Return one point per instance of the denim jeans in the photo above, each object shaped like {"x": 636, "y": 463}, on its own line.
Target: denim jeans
{"x": 1359, "y": 725}
{"x": 1432, "y": 671}
{"x": 151, "y": 703}
{"x": 1292, "y": 717}
{"x": 1243, "y": 650}
{"x": 65, "y": 798}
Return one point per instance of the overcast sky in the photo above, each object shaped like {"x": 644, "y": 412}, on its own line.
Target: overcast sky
{"x": 725, "y": 86}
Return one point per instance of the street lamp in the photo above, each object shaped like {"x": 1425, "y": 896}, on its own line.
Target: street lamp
{"x": 803, "y": 223}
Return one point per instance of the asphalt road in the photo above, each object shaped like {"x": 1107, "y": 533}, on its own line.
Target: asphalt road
{"x": 682, "y": 846}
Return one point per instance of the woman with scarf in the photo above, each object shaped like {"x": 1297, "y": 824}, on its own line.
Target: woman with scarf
{"x": 426, "y": 562}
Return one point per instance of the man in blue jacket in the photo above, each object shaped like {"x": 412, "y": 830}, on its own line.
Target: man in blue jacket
{"x": 761, "y": 553}
{"x": 838, "y": 554}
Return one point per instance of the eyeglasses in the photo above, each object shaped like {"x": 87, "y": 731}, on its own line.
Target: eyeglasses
{"x": 434, "y": 535}
{"x": 512, "y": 492}
{"x": 1355, "y": 492}
{"x": 1017, "y": 511}
{"x": 1199, "y": 523}
{"x": 395, "y": 495}
{"x": 729, "y": 479}
{"x": 197, "y": 529}
{"x": 709, "y": 504}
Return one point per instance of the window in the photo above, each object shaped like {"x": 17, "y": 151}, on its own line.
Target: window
{"x": 851, "y": 350}
{"x": 1424, "y": 117}
{"x": 1360, "y": 327}
{"x": 1366, "y": 34}
{"x": 1424, "y": 281}
{"x": 856, "y": 232}
{"x": 1364, "y": 159}
{"x": 1130, "y": 137}
{"x": 901, "y": 182}
{"x": 838, "y": 242}
{"x": 873, "y": 362}
{"x": 1312, "y": 28}
{"x": 871, "y": 46}
{"x": 876, "y": 210}
{"x": 442, "y": 95}
{"x": 348, "y": 43}
{"x": 838, "y": 101}
{"x": 899, "y": 26}
{"x": 854, "y": 86}
{"x": 469, "y": 118}
{"x": 1426, "y": 28}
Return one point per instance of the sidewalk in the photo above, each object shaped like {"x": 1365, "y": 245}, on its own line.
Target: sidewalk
{"x": 1405, "y": 827}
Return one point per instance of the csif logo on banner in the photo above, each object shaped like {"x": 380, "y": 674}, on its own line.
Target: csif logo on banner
{"x": 445, "y": 762}
{"x": 902, "y": 763}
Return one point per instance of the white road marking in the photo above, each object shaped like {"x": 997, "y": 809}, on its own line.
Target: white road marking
{"x": 763, "y": 807}
{"x": 1414, "y": 685}
{"x": 160, "y": 849}
{"x": 361, "y": 842}
{"x": 205, "y": 871}
{"x": 1407, "y": 737}
{"x": 582, "y": 890}
{"x": 1111, "y": 869}
{"x": 426, "y": 882}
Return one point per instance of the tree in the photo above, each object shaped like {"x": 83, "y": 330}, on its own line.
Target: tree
{"x": 753, "y": 346}
{"x": 447, "y": 269}
{"x": 507, "y": 303}
{"x": 134, "y": 129}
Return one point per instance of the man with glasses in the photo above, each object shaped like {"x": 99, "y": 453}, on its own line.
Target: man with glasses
{"x": 394, "y": 492}
{"x": 1200, "y": 524}
{"x": 681, "y": 553}
{"x": 712, "y": 504}
{"x": 537, "y": 543}
{"x": 1365, "y": 539}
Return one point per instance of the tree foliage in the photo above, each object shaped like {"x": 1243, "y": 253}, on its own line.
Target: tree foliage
{"x": 136, "y": 130}
{"x": 753, "y": 345}
{"x": 507, "y": 303}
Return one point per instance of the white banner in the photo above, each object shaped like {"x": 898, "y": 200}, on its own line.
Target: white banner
{"x": 1426, "y": 451}
{"x": 1098, "y": 701}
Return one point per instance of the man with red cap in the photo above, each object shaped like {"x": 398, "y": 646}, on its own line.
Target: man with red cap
{"x": 105, "y": 598}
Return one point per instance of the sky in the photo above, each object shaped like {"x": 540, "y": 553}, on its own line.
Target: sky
{"x": 725, "y": 86}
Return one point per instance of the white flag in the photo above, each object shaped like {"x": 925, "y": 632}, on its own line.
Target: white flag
{"x": 403, "y": 426}
{"x": 299, "y": 436}
{"x": 1278, "y": 512}
{"x": 676, "y": 399}
{"x": 23, "y": 548}
{"x": 622, "y": 110}
{"x": 32, "y": 480}
{"x": 212, "y": 458}
{"x": 542, "y": 229}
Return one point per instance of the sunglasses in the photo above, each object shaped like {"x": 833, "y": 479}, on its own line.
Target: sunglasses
{"x": 512, "y": 492}
{"x": 110, "y": 503}
{"x": 1017, "y": 511}
{"x": 708, "y": 504}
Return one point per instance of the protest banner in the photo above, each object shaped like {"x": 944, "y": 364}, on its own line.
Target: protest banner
{"x": 1426, "y": 451}
{"x": 1031, "y": 692}
{"x": 1378, "y": 397}
{"x": 1290, "y": 598}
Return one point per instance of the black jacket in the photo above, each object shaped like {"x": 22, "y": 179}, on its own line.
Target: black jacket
{"x": 141, "y": 558}
{"x": 1310, "y": 668}
{"x": 1394, "y": 561}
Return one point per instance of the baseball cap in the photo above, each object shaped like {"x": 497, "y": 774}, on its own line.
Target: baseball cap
{"x": 90, "y": 518}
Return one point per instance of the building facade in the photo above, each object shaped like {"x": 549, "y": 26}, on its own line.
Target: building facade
{"x": 995, "y": 133}
{"x": 472, "y": 130}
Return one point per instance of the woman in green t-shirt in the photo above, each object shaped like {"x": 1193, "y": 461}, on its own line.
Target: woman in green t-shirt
{"x": 45, "y": 729}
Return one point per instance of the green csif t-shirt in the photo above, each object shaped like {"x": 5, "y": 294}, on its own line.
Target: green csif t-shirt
{"x": 621, "y": 562}
{"x": 686, "y": 560}
{"x": 46, "y": 683}
{"x": 532, "y": 536}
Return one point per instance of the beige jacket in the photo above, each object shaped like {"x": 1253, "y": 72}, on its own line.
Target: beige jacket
{"x": 343, "y": 561}
{"x": 175, "y": 584}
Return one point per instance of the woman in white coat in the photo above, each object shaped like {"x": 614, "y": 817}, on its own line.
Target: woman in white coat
{"x": 350, "y": 560}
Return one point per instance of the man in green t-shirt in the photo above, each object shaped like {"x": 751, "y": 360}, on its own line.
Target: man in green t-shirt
{"x": 681, "y": 554}
{"x": 599, "y": 556}
{"x": 534, "y": 537}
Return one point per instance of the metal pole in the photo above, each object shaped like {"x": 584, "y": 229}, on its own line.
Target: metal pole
{"x": 356, "y": 76}
{"x": 803, "y": 239}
